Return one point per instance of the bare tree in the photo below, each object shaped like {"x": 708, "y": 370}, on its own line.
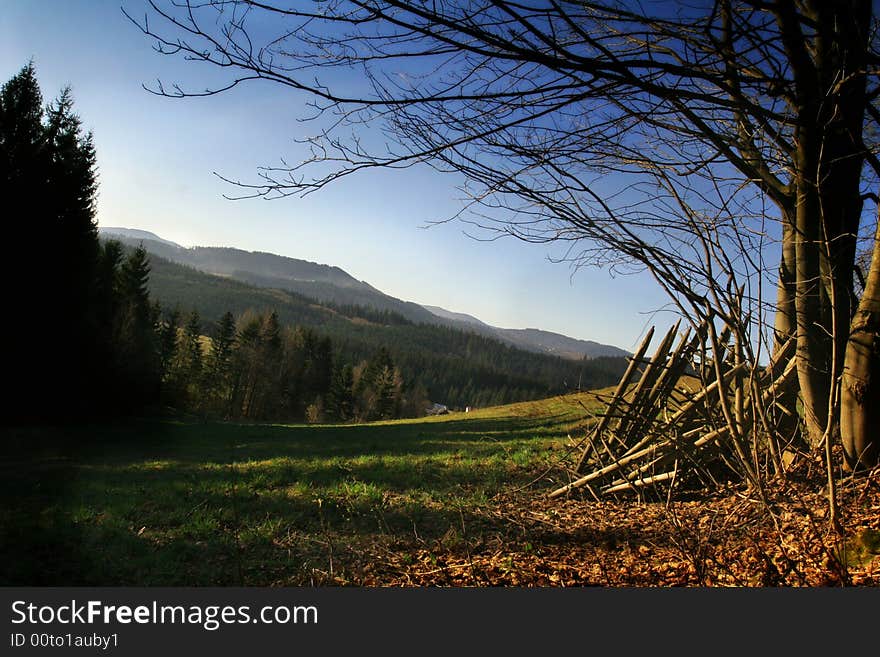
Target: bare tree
{"x": 724, "y": 146}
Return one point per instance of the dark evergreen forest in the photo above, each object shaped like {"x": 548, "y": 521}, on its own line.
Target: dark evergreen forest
{"x": 78, "y": 311}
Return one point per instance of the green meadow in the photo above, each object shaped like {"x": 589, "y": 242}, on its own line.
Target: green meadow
{"x": 187, "y": 503}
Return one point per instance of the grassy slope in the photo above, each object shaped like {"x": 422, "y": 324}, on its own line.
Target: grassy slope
{"x": 171, "y": 503}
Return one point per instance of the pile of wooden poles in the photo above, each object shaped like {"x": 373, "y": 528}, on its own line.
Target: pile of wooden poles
{"x": 681, "y": 414}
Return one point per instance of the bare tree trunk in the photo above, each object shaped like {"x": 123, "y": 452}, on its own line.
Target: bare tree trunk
{"x": 813, "y": 344}
{"x": 860, "y": 389}
{"x": 839, "y": 177}
{"x": 829, "y": 161}
{"x": 785, "y": 425}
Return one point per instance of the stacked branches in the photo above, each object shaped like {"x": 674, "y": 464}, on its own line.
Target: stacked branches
{"x": 677, "y": 417}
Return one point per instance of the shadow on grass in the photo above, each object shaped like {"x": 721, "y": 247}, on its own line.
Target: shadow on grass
{"x": 163, "y": 503}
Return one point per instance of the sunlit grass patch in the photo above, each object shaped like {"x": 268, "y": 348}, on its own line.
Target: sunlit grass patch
{"x": 174, "y": 503}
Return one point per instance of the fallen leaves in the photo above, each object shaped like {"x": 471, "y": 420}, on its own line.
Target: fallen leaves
{"x": 729, "y": 539}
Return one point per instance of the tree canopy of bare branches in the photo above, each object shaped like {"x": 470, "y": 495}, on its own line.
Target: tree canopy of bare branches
{"x": 728, "y": 147}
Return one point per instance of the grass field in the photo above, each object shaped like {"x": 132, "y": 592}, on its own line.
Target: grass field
{"x": 188, "y": 503}
{"x": 456, "y": 500}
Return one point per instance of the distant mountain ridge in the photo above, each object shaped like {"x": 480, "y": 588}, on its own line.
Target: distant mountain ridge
{"x": 531, "y": 339}
{"x": 229, "y": 261}
{"x": 322, "y": 282}
{"x": 455, "y": 317}
{"x": 136, "y": 234}
{"x": 557, "y": 344}
{"x": 327, "y": 283}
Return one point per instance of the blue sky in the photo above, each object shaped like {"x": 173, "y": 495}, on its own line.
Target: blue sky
{"x": 157, "y": 158}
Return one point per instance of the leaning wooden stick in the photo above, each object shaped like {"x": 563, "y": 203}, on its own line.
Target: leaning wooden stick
{"x": 618, "y": 394}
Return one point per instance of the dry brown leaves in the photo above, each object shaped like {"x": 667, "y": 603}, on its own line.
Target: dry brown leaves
{"x": 722, "y": 539}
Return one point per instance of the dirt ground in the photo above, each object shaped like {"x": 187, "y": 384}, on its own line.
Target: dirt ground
{"x": 728, "y": 538}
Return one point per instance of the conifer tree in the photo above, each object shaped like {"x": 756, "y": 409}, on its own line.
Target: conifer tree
{"x": 168, "y": 343}
{"x": 24, "y": 152}
{"x": 220, "y": 364}
{"x": 246, "y": 373}
{"x": 107, "y": 307}
{"x": 271, "y": 335}
{"x": 384, "y": 385}
{"x": 134, "y": 280}
{"x": 340, "y": 399}
{"x": 193, "y": 358}
{"x": 267, "y": 399}
{"x": 138, "y": 349}
{"x": 46, "y": 159}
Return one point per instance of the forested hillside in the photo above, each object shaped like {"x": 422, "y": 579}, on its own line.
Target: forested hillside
{"x": 325, "y": 283}
{"x": 450, "y": 366}
{"x": 332, "y": 285}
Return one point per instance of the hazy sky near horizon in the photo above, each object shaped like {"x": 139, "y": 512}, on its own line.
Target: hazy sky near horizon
{"x": 157, "y": 160}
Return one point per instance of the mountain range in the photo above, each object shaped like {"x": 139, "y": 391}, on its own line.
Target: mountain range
{"x": 330, "y": 284}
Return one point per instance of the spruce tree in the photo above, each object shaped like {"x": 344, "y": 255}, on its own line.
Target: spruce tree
{"x": 24, "y": 152}
{"x": 138, "y": 348}
{"x": 192, "y": 352}
{"x": 220, "y": 364}
{"x": 340, "y": 399}
{"x": 135, "y": 279}
{"x": 246, "y": 365}
{"x": 107, "y": 308}
{"x": 23, "y": 166}
{"x": 47, "y": 160}
{"x": 267, "y": 399}
{"x": 386, "y": 399}
{"x": 271, "y": 337}
{"x": 168, "y": 342}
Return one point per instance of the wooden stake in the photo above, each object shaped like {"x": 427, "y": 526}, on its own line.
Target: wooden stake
{"x": 618, "y": 393}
